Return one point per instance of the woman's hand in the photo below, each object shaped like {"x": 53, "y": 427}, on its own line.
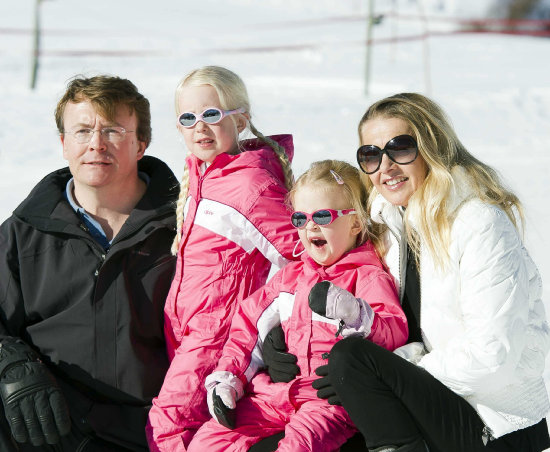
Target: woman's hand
{"x": 324, "y": 387}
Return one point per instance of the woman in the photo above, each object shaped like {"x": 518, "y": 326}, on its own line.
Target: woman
{"x": 470, "y": 378}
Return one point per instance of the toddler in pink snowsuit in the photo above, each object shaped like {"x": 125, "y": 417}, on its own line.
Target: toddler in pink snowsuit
{"x": 339, "y": 285}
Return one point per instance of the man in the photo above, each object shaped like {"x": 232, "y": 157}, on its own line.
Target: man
{"x": 85, "y": 267}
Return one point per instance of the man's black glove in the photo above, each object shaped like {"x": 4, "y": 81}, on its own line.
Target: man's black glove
{"x": 33, "y": 403}
{"x": 281, "y": 365}
{"x": 324, "y": 387}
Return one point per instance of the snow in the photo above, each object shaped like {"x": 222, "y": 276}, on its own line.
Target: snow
{"x": 304, "y": 65}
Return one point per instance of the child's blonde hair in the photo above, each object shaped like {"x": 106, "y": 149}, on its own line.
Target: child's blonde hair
{"x": 232, "y": 93}
{"x": 331, "y": 174}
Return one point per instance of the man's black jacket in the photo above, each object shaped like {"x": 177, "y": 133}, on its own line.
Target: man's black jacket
{"x": 95, "y": 317}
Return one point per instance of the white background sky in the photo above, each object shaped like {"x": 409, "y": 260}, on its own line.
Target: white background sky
{"x": 304, "y": 65}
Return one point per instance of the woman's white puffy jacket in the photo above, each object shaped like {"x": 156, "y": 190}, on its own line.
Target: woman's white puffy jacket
{"x": 483, "y": 322}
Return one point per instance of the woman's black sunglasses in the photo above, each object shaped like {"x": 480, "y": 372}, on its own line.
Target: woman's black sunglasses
{"x": 401, "y": 150}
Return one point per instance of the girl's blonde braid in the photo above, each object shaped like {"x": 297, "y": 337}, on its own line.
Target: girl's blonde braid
{"x": 184, "y": 187}
{"x": 280, "y": 151}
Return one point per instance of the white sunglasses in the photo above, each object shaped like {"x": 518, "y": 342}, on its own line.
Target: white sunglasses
{"x": 211, "y": 115}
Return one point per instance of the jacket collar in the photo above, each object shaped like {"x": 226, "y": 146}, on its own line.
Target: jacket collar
{"x": 47, "y": 209}
{"x": 256, "y": 154}
{"x": 357, "y": 257}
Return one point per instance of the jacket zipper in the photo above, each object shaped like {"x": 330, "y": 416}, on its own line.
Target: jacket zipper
{"x": 418, "y": 268}
{"x": 102, "y": 258}
{"x": 102, "y": 251}
{"x": 400, "y": 264}
{"x": 486, "y": 435}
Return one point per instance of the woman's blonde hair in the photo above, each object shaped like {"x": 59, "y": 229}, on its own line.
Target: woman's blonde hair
{"x": 232, "y": 93}
{"x": 441, "y": 149}
{"x": 327, "y": 174}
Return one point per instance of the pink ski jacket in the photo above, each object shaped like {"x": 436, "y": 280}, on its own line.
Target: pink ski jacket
{"x": 284, "y": 300}
{"x": 236, "y": 226}
{"x": 309, "y": 336}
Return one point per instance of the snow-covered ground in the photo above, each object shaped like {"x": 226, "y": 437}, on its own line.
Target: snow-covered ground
{"x": 304, "y": 65}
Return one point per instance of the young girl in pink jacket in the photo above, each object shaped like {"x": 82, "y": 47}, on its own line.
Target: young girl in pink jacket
{"x": 232, "y": 227}
{"x": 339, "y": 288}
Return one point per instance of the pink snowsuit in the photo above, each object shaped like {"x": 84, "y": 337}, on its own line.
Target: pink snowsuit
{"x": 236, "y": 226}
{"x": 309, "y": 423}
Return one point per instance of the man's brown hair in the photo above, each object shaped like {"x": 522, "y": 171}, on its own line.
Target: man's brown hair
{"x": 107, "y": 93}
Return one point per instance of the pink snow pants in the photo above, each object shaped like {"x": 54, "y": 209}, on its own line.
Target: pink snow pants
{"x": 309, "y": 423}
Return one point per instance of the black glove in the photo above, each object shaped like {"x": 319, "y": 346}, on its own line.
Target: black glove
{"x": 317, "y": 298}
{"x": 324, "y": 387}
{"x": 224, "y": 415}
{"x": 33, "y": 403}
{"x": 280, "y": 364}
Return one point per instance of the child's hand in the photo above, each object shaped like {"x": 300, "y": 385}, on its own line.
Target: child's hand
{"x": 223, "y": 391}
{"x": 221, "y": 408}
{"x": 333, "y": 302}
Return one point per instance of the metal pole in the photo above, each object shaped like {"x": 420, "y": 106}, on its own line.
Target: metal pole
{"x": 368, "y": 50}
{"x": 393, "y": 45}
{"x": 426, "y": 50}
{"x": 36, "y": 44}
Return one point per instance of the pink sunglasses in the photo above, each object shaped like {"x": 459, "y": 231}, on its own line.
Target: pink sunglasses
{"x": 321, "y": 217}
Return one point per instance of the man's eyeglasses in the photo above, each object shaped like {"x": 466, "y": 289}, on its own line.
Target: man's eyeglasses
{"x": 209, "y": 116}
{"x": 322, "y": 217}
{"x": 110, "y": 134}
{"x": 401, "y": 150}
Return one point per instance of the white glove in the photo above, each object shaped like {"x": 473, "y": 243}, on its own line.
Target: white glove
{"x": 228, "y": 388}
{"x": 333, "y": 302}
{"x": 412, "y": 352}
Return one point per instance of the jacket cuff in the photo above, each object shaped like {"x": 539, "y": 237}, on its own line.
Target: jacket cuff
{"x": 363, "y": 324}
{"x": 227, "y": 378}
